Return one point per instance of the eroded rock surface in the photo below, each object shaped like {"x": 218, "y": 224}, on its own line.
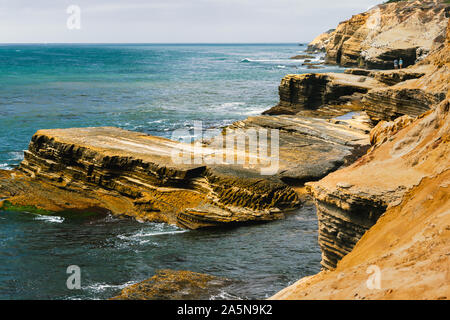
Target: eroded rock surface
{"x": 320, "y": 42}
{"x": 311, "y": 91}
{"x": 175, "y": 285}
{"x": 133, "y": 174}
{"x": 405, "y": 29}
{"x": 407, "y": 248}
{"x": 351, "y": 200}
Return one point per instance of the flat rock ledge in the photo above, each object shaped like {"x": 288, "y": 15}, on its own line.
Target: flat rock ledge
{"x": 134, "y": 174}
{"x": 124, "y": 173}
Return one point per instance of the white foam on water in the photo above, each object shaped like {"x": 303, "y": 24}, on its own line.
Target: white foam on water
{"x": 223, "y": 295}
{"x": 16, "y": 155}
{"x": 51, "y": 219}
{"x": 101, "y": 286}
{"x": 5, "y": 166}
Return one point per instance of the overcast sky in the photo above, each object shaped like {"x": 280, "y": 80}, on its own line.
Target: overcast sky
{"x": 168, "y": 21}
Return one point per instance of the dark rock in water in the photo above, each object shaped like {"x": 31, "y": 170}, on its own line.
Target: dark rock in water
{"x": 176, "y": 285}
{"x": 302, "y": 56}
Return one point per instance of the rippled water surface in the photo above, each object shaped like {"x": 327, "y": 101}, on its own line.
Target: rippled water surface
{"x": 112, "y": 253}
{"x": 153, "y": 89}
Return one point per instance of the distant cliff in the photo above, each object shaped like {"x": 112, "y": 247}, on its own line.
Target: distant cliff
{"x": 374, "y": 39}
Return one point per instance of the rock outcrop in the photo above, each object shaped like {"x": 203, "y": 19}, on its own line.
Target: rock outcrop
{"x": 351, "y": 200}
{"x": 127, "y": 173}
{"x": 423, "y": 86}
{"x": 311, "y": 91}
{"x": 320, "y": 42}
{"x": 404, "y": 256}
{"x": 374, "y": 39}
{"x": 140, "y": 170}
{"x": 394, "y": 205}
{"x": 313, "y": 144}
{"x": 175, "y": 285}
{"x": 384, "y": 95}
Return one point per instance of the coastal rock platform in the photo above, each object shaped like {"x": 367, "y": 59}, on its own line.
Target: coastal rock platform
{"x": 133, "y": 174}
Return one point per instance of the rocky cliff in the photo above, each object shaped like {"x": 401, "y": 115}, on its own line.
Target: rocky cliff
{"x": 139, "y": 170}
{"x": 374, "y": 39}
{"x": 384, "y": 95}
{"x": 404, "y": 179}
{"x": 320, "y": 42}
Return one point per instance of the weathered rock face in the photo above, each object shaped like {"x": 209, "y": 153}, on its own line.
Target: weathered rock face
{"x": 423, "y": 86}
{"x": 388, "y": 104}
{"x": 320, "y": 42}
{"x": 391, "y": 77}
{"x": 351, "y": 200}
{"x": 388, "y": 32}
{"x": 311, "y": 91}
{"x": 175, "y": 285}
{"x": 313, "y": 144}
{"x": 407, "y": 172}
{"x": 128, "y": 173}
{"x": 384, "y": 95}
{"x": 408, "y": 246}
{"x": 138, "y": 169}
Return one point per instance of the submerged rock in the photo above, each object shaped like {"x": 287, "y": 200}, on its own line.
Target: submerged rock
{"x": 176, "y": 285}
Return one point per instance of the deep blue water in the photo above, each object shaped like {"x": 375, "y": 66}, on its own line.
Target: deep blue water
{"x": 153, "y": 89}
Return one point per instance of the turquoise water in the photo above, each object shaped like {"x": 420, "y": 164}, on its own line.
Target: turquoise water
{"x": 153, "y": 89}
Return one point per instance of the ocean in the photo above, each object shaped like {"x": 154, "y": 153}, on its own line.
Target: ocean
{"x": 154, "y": 89}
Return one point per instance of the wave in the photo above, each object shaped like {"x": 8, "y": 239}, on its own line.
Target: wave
{"x": 52, "y": 219}
{"x": 223, "y": 295}
{"x": 101, "y": 286}
{"x": 142, "y": 236}
{"x": 5, "y": 166}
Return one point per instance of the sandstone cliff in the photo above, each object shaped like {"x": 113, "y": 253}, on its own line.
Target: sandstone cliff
{"x": 384, "y": 95}
{"x": 406, "y": 29}
{"x": 320, "y": 42}
{"x": 404, "y": 179}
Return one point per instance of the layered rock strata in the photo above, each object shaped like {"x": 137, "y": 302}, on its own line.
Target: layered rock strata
{"x": 384, "y": 95}
{"x": 132, "y": 174}
{"x": 404, "y": 256}
{"x": 320, "y": 42}
{"x": 311, "y": 91}
{"x": 351, "y": 200}
{"x": 140, "y": 169}
{"x": 376, "y": 38}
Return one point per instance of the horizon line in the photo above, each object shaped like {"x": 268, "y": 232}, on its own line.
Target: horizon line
{"x": 146, "y": 43}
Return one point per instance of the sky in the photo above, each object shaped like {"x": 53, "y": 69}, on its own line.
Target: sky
{"x": 172, "y": 21}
